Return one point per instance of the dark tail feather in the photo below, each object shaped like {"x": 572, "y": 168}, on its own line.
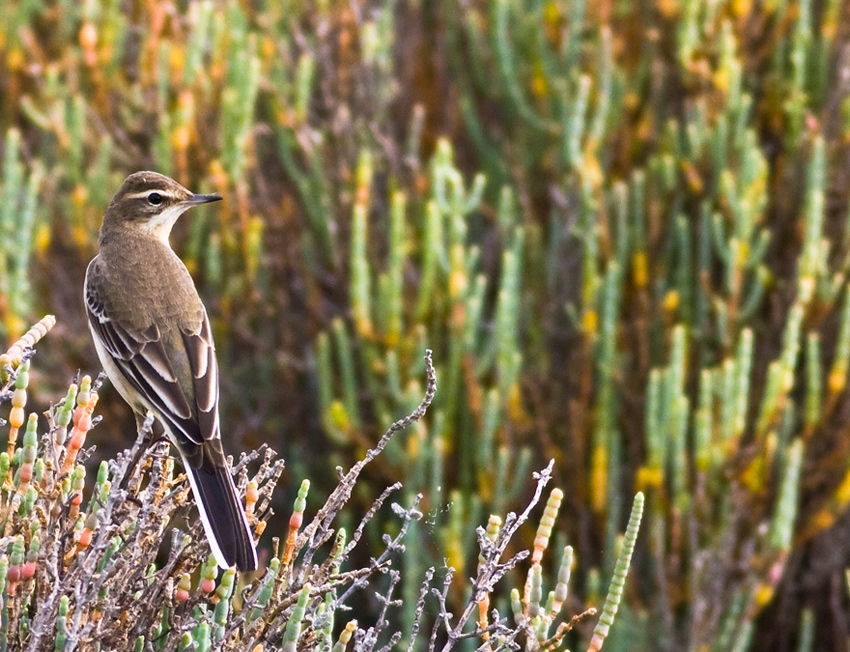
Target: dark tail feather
{"x": 223, "y": 516}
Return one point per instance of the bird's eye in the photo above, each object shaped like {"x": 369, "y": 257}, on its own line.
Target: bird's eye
{"x": 155, "y": 198}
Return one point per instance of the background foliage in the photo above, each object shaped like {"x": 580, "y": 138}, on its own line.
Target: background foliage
{"x": 621, "y": 226}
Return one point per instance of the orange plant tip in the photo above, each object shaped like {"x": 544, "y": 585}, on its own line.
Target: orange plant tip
{"x": 88, "y": 36}
{"x": 590, "y": 322}
{"x": 84, "y": 424}
{"x": 671, "y": 301}
{"x": 15, "y": 59}
{"x": 837, "y": 381}
{"x": 85, "y": 538}
{"x": 763, "y": 595}
{"x": 16, "y": 417}
{"x": 14, "y": 575}
{"x": 29, "y": 569}
{"x": 649, "y": 478}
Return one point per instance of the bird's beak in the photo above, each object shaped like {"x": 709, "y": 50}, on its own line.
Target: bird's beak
{"x": 201, "y": 199}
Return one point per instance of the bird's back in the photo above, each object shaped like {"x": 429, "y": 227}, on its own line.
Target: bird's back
{"x": 151, "y": 275}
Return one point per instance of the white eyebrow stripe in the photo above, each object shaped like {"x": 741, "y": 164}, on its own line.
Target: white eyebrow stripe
{"x": 144, "y": 194}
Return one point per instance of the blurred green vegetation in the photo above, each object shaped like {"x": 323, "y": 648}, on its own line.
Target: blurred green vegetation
{"x": 621, "y": 226}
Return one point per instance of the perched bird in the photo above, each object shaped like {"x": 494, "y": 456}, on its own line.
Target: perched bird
{"x": 153, "y": 337}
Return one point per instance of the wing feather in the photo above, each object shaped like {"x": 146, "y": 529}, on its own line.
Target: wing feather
{"x": 201, "y": 353}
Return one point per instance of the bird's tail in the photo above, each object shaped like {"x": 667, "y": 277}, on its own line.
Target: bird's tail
{"x": 222, "y": 514}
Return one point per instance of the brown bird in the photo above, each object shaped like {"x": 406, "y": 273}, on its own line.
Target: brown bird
{"x": 153, "y": 337}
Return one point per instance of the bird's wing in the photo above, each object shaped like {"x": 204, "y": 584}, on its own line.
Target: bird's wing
{"x": 200, "y": 350}
{"x": 144, "y": 357}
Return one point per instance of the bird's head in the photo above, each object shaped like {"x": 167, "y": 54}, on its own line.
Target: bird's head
{"x": 150, "y": 203}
